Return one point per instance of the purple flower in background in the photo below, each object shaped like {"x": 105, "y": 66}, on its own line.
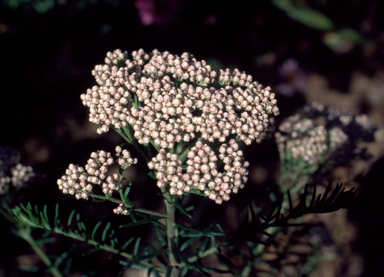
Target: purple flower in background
{"x": 293, "y": 78}
{"x": 159, "y": 12}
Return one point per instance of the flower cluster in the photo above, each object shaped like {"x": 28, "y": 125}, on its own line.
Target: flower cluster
{"x": 323, "y": 133}
{"x": 168, "y": 98}
{"x": 124, "y": 158}
{"x": 121, "y": 209}
{"x": 12, "y": 171}
{"x": 202, "y": 171}
{"x": 78, "y": 181}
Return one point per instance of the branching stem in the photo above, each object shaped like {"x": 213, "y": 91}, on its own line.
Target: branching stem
{"x": 112, "y": 199}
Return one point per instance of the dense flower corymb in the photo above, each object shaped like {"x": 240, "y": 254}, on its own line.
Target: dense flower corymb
{"x": 168, "y": 99}
{"x": 177, "y": 101}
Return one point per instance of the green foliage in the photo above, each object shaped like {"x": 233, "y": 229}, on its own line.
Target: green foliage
{"x": 305, "y": 15}
{"x": 309, "y": 203}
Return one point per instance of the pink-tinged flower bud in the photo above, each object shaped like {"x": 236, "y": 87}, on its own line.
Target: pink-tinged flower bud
{"x": 201, "y": 186}
{"x": 172, "y": 191}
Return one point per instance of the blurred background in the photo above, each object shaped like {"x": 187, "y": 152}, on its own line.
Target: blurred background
{"x": 330, "y": 52}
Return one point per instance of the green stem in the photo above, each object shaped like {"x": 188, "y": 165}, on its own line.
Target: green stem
{"x": 171, "y": 232}
{"x": 154, "y": 145}
{"x": 7, "y": 213}
{"x": 25, "y": 233}
{"x": 134, "y": 145}
{"x": 183, "y": 156}
{"x": 112, "y": 199}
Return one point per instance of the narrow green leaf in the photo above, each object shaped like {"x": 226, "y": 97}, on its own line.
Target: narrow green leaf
{"x": 28, "y": 268}
{"x": 70, "y": 218}
{"x": 112, "y": 233}
{"x": 246, "y": 271}
{"x": 127, "y": 243}
{"x": 220, "y": 228}
{"x": 174, "y": 250}
{"x": 132, "y": 215}
{"x": 57, "y": 220}
{"x": 184, "y": 272}
{"x": 197, "y": 191}
{"x": 142, "y": 221}
{"x": 127, "y": 190}
{"x": 137, "y": 246}
{"x": 98, "y": 200}
{"x": 187, "y": 243}
{"x": 181, "y": 209}
{"x": 192, "y": 266}
{"x": 95, "y": 229}
{"x": 213, "y": 241}
{"x": 60, "y": 259}
{"x": 311, "y": 18}
{"x": 45, "y": 213}
{"x": 105, "y": 231}
{"x": 152, "y": 175}
{"x": 112, "y": 243}
{"x": 44, "y": 218}
{"x": 81, "y": 226}
{"x": 67, "y": 266}
{"x": 191, "y": 229}
{"x": 204, "y": 246}
{"x": 190, "y": 208}
{"x": 191, "y": 235}
{"x": 45, "y": 240}
{"x": 160, "y": 237}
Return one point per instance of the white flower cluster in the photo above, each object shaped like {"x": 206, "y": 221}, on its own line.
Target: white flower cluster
{"x": 78, "y": 181}
{"x": 124, "y": 157}
{"x": 323, "y": 133}
{"x": 12, "y": 171}
{"x": 121, "y": 209}
{"x": 168, "y": 99}
{"x": 202, "y": 171}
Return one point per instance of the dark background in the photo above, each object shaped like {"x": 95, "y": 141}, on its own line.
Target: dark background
{"x": 48, "y": 49}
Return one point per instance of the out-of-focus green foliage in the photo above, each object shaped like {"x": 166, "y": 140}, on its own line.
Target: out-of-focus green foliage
{"x": 305, "y": 15}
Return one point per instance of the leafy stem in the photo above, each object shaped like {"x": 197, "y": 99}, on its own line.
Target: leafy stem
{"x": 171, "y": 232}
{"x": 25, "y": 233}
{"x": 112, "y": 199}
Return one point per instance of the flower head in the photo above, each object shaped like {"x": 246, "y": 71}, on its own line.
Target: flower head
{"x": 323, "y": 134}
{"x": 79, "y": 180}
{"x": 202, "y": 171}
{"x": 12, "y": 171}
{"x": 168, "y": 99}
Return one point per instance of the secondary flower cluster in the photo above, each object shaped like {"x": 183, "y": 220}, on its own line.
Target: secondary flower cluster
{"x": 202, "y": 171}
{"x": 12, "y": 171}
{"x": 169, "y": 98}
{"x": 78, "y": 181}
{"x": 323, "y": 133}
